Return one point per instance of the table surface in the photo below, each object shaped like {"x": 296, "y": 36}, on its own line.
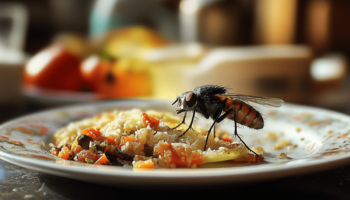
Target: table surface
{"x": 21, "y": 183}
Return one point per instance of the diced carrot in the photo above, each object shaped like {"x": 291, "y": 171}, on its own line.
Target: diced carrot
{"x": 77, "y": 149}
{"x": 111, "y": 140}
{"x": 151, "y": 121}
{"x": 126, "y": 139}
{"x": 91, "y": 132}
{"x": 102, "y": 160}
{"x": 148, "y": 164}
{"x": 64, "y": 153}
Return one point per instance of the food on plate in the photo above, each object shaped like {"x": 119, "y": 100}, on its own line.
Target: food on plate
{"x": 145, "y": 140}
{"x": 283, "y": 156}
{"x": 54, "y": 68}
{"x": 281, "y": 144}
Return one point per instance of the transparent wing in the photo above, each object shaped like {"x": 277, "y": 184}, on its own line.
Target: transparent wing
{"x": 264, "y": 101}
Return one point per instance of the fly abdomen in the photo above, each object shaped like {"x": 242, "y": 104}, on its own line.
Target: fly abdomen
{"x": 246, "y": 114}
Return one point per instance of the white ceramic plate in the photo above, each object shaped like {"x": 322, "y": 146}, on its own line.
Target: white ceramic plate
{"x": 321, "y": 137}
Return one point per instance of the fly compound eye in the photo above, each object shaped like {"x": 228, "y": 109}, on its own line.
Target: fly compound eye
{"x": 191, "y": 99}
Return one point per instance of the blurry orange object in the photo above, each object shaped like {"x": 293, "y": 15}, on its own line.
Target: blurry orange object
{"x": 116, "y": 78}
{"x": 132, "y": 41}
{"x": 54, "y": 68}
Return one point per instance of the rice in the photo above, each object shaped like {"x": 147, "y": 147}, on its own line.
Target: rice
{"x": 145, "y": 139}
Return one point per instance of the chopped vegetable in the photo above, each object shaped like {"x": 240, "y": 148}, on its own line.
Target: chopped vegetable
{"x": 64, "y": 153}
{"x": 91, "y": 132}
{"x": 126, "y": 139}
{"x": 148, "y": 164}
{"x": 82, "y": 155}
{"x": 111, "y": 140}
{"x": 77, "y": 149}
{"x": 89, "y": 160}
{"x": 151, "y": 121}
{"x": 102, "y": 160}
{"x": 223, "y": 154}
{"x": 84, "y": 141}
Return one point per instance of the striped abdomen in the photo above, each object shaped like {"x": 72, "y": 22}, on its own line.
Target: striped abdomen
{"x": 246, "y": 114}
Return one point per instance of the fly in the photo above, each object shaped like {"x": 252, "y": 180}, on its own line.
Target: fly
{"x": 215, "y": 102}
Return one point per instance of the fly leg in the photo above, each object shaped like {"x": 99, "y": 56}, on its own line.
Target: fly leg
{"x": 217, "y": 120}
{"x": 222, "y": 117}
{"x": 190, "y": 126}
{"x": 214, "y": 132}
{"x": 236, "y": 134}
{"x": 183, "y": 122}
{"x": 206, "y": 141}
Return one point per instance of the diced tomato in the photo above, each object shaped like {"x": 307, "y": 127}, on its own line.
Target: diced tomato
{"x": 100, "y": 138}
{"x": 91, "y": 132}
{"x": 177, "y": 156}
{"x": 197, "y": 158}
{"x": 148, "y": 164}
{"x": 102, "y": 160}
{"x": 82, "y": 155}
{"x": 64, "y": 153}
{"x": 151, "y": 121}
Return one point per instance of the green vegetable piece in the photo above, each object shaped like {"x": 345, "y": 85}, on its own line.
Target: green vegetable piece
{"x": 89, "y": 160}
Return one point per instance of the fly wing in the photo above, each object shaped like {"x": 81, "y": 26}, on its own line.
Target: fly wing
{"x": 264, "y": 101}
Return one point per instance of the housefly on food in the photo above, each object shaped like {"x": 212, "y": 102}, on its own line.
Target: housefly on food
{"x": 215, "y": 102}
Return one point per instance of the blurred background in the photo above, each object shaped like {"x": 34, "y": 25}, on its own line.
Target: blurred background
{"x": 56, "y": 52}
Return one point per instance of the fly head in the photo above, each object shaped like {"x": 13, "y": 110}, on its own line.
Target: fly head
{"x": 186, "y": 102}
